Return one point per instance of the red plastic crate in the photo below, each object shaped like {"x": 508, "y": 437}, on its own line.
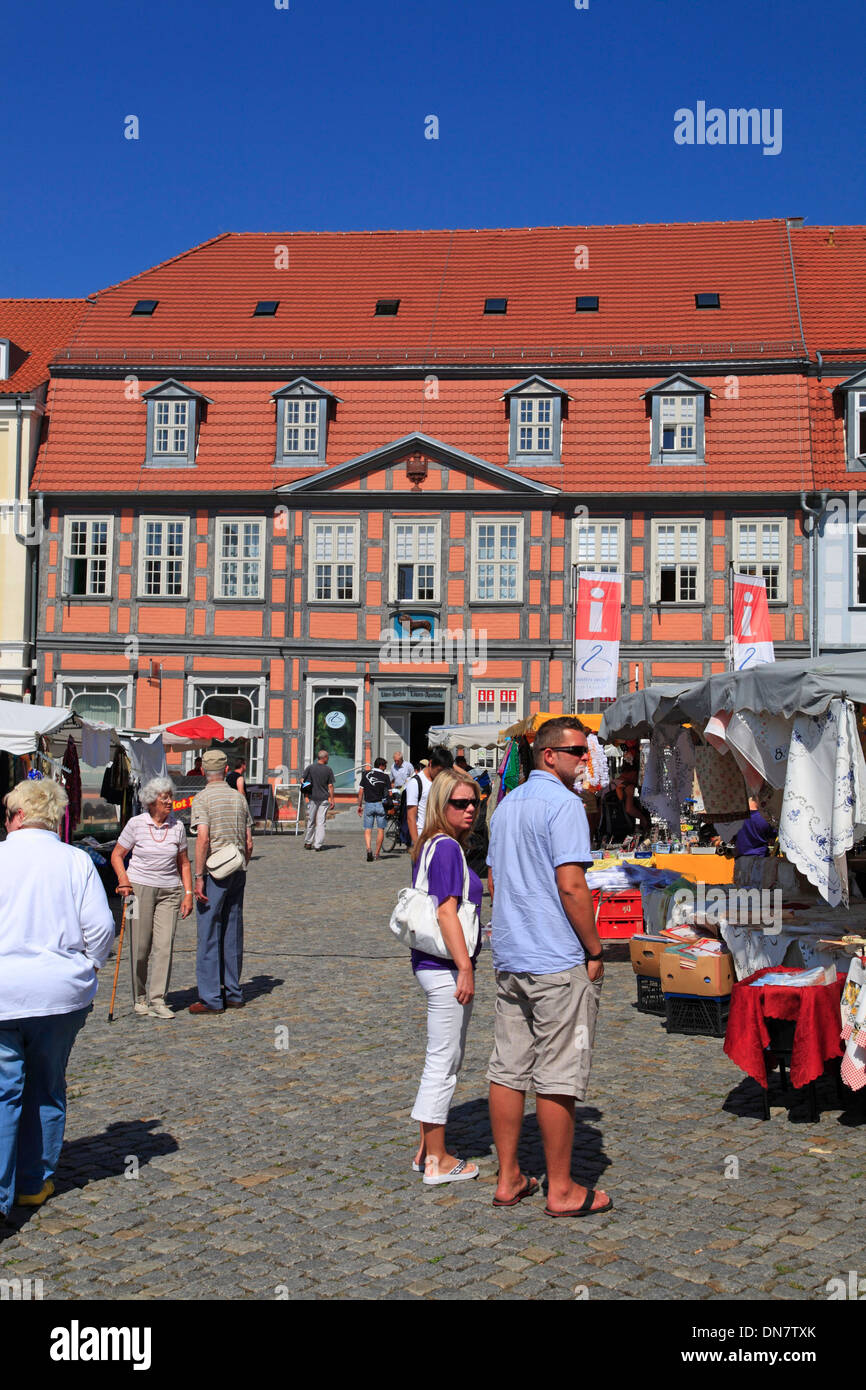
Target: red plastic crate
{"x": 621, "y": 914}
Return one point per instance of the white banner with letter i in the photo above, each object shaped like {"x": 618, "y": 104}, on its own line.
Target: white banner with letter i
{"x": 597, "y": 631}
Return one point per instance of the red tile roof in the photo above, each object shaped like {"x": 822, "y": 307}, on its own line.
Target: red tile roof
{"x": 830, "y": 264}
{"x": 756, "y": 442}
{"x": 646, "y": 278}
{"x": 38, "y": 329}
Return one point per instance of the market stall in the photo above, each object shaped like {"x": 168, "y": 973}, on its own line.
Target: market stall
{"x": 781, "y": 743}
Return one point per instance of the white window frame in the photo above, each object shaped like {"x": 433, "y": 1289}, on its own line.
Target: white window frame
{"x": 173, "y": 425}
{"x": 301, "y": 436}
{"x": 492, "y": 714}
{"x": 314, "y": 565}
{"x": 89, "y": 591}
{"x": 535, "y": 424}
{"x": 744, "y": 566}
{"x": 162, "y": 560}
{"x": 222, "y": 523}
{"x": 414, "y": 525}
{"x": 700, "y": 577}
{"x": 858, "y": 548}
{"x": 199, "y": 691}
{"x": 353, "y": 689}
{"x": 681, "y": 420}
{"x": 67, "y": 687}
{"x": 598, "y": 564}
{"x": 497, "y": 522}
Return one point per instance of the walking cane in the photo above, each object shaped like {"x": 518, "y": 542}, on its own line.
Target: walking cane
{"x": 117, "y": 963}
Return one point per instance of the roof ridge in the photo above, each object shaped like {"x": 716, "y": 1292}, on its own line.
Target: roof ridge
{"x": 161, "y": 265}
{"x": 547, "y": 227}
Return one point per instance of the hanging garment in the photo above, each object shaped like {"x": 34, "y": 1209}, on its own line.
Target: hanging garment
{"x": 597, "y": 777}
{"x": 511, "y": 778}
{"x": 763, "y": 741}
{"x": 72, "y": 783}
{"x": 147, "y": 756}
{"x": 116, "y": 779}
{"x": 96, "y": 744}
{"x": 824, "y": 804}
{"x": 669, "y": 774}
{"x": 854, "y": 1026}
{"x": 719, "y": 784}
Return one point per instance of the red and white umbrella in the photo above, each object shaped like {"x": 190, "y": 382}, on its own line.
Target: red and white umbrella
{"x": 198, "y": 732}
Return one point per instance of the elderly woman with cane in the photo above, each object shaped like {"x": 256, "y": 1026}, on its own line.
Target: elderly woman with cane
{"x": 56, "y": 930}
{"x": 161, "y": 879}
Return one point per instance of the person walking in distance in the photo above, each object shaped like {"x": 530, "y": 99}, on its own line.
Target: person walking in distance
{"x": 418, "y": 790}
{"x": 374, "y": 787}
{"x": 400, "y": 772}
{"x": 549, "y": 969}
{"x": 320, "y": 779}
{"x": 235, "y": 778}
{"x": 225, "y": 832}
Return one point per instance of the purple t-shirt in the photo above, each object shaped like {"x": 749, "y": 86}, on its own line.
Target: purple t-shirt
{"x": 754, "y": 836}
{"x": 445, "y": 880}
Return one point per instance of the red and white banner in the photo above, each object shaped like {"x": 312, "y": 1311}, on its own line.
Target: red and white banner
{"x": 752, "y": 643}
{"x": 597, "y": 631}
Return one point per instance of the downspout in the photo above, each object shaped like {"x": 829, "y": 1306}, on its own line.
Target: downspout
{"x": 812, "y": 533}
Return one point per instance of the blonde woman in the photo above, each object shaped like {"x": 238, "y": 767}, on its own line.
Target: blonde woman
{"x": 56, "y": 930}
{"x": 448, "y": 982}
{"x": 161, "y": 879}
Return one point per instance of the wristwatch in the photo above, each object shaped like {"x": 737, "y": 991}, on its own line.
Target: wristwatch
{"x": 600, "y": 956}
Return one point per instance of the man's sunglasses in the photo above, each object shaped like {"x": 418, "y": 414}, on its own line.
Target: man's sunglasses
{"x": 462, "y": 802}
{"x": 577, "y": 750}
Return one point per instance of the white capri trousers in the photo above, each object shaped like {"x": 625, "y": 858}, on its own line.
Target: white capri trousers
{"x": 447, "y": 1023}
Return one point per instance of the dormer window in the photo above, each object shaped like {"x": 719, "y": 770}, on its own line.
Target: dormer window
{"x": 678, "y": 408}
{"x": 303, "y": 410}
{"x": 855, "y": 421}
{"x": 174, "y": 412}
{"x": 535, "y": 422}
{"x": 678, "y": 423}
{"x": 172, "y": 427}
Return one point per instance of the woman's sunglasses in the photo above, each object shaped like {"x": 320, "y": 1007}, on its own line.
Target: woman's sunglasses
{"x": 462, "y": 802}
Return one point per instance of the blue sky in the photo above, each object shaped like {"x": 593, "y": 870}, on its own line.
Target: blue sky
{"x": 253, "y": 118}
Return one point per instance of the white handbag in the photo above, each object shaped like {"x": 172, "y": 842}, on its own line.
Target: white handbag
{"x": 414, "y": 920}
{"x": 224, "y": 862}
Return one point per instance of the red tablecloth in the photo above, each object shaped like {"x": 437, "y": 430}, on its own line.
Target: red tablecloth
{"x": 816, "y": 1010}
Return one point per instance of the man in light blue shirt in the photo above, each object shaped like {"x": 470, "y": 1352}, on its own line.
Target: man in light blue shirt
{"x": 400, "y": 772}
{"x": 548, "y": 961}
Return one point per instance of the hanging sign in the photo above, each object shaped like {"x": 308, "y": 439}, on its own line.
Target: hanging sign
{"x": 597, "y": 630}
{"x": 753, "y": 645}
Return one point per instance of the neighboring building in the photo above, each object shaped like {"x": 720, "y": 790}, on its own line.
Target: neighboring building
{"x": 32, "y": 332}
{"x": 831, "y": 276}
{"x": 271, "y": 450}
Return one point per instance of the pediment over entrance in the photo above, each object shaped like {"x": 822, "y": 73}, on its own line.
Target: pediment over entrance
{"x": 418, "y": 463}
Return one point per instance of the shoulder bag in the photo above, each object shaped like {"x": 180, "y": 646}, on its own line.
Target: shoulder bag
{"x": 414, "y": 921}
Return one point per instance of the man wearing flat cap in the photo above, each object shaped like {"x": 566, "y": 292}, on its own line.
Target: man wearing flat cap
{"x": 223, "y": 847}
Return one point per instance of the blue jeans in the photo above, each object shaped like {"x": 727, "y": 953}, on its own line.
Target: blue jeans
{"x": 220, "y": 955}
{"x": 33, "y": 1057}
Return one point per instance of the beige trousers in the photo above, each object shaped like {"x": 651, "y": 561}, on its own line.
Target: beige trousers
{"x": 153, "y": 937}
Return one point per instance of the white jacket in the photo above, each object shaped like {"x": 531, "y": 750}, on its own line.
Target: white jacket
{"x": 56, "y": 928}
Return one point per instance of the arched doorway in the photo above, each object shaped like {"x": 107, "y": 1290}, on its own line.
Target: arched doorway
{"x": 231, "y": 707}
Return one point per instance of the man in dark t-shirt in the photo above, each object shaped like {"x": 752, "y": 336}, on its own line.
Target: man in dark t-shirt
{"x": 317, "y": 785}
{"x": 375, "y": 786}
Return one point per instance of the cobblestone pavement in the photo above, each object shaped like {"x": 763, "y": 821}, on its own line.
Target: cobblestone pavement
{"x": 266, "y": 1152}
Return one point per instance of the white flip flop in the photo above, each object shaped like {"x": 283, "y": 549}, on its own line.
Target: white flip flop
{"x": 458, "y": 1174}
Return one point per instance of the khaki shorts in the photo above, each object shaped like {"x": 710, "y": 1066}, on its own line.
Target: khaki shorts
{"x": 543, "y": 1032}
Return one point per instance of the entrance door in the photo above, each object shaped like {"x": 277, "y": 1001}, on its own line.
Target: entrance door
{"x": 420, "y": 722}
{"x": 393, "y": 733}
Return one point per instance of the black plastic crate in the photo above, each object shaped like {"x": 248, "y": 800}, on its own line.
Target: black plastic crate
{"x": 650, "y": 998}
{"x": 697, "y": 1014}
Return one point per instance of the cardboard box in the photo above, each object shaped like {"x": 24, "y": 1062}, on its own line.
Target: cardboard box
{"x": 646, "y": 950}
{"x": 646, "y": 954}
{"x": 687, "y": 970}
